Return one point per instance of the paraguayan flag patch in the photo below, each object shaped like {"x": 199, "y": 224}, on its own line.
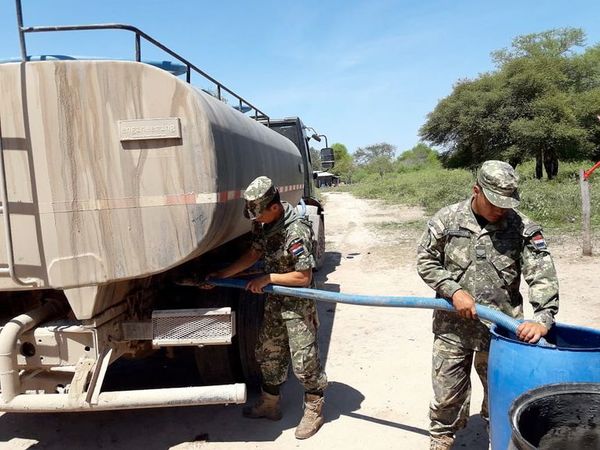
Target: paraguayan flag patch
{"x": 296, "y": 247}
{"x": 539, "y": 242}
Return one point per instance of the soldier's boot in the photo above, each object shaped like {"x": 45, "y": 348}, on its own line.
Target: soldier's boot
{"x": 268, "y": 406}
{"x": 312, "y": 419}
{"x": 443, "y": 442}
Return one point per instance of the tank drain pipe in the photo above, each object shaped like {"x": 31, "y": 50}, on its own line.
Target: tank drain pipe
{"x": 483, "y": 312}
{"x": 10, "y": 384}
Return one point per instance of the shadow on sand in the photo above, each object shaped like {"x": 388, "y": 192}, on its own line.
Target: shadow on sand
{"x": 168, "y": 427}
{"x": 474, "y": 436}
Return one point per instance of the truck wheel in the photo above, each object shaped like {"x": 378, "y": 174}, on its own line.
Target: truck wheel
{"x": 218, "y": 364}
{"x": 249, "y": 319}
{"x": 320, "y": 244}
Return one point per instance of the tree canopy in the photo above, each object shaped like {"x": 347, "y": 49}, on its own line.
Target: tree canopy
{"x": 418, "y": 157}
{"x": 541, "y": 102}
{"x": 376, "y": 158}
{"x": 315, "y": 158}
{"x": 344, "y": 166}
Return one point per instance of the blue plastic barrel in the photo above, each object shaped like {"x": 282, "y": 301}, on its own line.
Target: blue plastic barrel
{"x": 516, "y": 367}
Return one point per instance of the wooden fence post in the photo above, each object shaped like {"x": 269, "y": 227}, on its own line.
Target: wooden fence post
{"x": 586, "y": 216}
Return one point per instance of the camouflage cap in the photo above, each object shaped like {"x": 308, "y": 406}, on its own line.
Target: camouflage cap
{"x": 499, "y": 183}
{"x": 258, "y": 195}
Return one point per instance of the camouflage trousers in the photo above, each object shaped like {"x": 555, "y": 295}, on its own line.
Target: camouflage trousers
{"x": 289, "y": 331}
{"x": 451, "y": 379}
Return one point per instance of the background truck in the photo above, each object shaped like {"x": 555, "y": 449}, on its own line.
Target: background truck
{"x": 116, "y": 180}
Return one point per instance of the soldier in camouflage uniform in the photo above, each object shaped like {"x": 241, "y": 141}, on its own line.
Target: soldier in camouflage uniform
{"x": 289, "y": 330}
{"x": 475, "y": 252}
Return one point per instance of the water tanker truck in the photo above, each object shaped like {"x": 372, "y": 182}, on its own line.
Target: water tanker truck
{"x": 117, "y": 178}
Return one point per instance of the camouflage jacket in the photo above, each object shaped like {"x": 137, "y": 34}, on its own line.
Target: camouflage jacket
{"x": 286, "y": 245}
{"x": 456, "y": 253}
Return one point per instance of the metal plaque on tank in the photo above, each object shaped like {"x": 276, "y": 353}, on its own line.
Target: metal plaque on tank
{"x": 139, "y": 129}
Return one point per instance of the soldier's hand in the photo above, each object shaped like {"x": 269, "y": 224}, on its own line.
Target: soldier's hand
{"x": 207, "y": 284}
{"x": 531, "y": 332}
{"x": 256, "y": 285}
{"x": 464, "y": 304}
{"x": 193, "y": 281}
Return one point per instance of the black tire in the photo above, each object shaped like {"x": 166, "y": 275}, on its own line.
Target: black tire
{"x": 249, "y": 319}
{"x": 320, "y": 245}
{"x": 219, "y": 364}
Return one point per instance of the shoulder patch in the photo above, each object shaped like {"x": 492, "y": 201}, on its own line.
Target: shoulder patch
{"x": 296, "y": 247}
{"x": 539, "y": 242}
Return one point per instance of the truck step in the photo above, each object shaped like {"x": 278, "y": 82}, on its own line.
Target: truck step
{"x": 200, "y": 326}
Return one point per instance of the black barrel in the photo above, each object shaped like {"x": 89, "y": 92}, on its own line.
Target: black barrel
{"x": 563, "y": 416}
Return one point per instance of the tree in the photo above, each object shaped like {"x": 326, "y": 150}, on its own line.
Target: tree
{"x": 344, "y": 166}
{"x": 539, "y": 104}
{"x": 376, "y": 158}
{"x": 418, "y": 157}
{"x": 586, "y": 96}
{"x": 554, "y": 43}
{"x": 315, "y": 158}
{"x": 551, "y": 133}
{"x": 470, "y": 123}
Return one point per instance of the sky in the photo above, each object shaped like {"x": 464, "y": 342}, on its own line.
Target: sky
{"x": 359, "y": 72}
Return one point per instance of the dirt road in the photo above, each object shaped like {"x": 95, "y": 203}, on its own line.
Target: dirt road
{"x": 377, "y": 359}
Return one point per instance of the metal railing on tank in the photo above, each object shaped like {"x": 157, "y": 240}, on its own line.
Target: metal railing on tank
{"x": 243, "y": 104}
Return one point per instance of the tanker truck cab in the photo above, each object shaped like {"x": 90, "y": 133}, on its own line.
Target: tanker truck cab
{"x": 117, "y": 180}
{"x": 293, "y": 129}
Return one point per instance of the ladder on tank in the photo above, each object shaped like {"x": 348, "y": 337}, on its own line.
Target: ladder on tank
{"x": 243, "y": 105}
{"x": 5, "y": 212}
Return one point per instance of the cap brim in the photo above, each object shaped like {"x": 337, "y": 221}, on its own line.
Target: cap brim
{"x": 502, "y": 201}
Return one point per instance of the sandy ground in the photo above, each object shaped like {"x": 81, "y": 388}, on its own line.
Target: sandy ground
{"x": 377, "y": 359}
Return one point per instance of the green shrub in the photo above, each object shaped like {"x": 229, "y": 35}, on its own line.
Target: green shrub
{"x": 430, "y": 188}
{"x": 554, "y": 204}
{"x": 557, "y": 204}
{"x": 566, "y": 170}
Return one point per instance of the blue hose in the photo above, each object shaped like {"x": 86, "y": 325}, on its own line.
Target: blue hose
{"x": 483, "y": 312}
